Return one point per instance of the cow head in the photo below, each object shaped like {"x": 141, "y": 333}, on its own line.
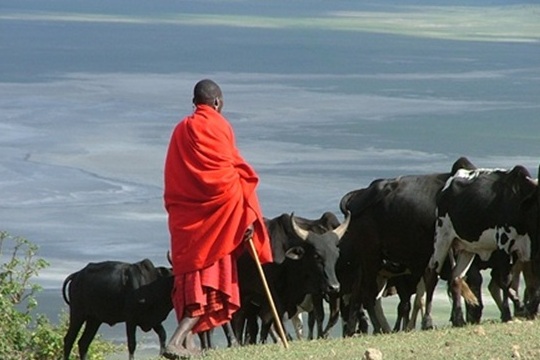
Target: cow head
{"x": 320, "y": 251}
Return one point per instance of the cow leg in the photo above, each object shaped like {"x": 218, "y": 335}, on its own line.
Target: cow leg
{"x": 232, "y": 341}
{"x": 375, "y": 311}
{"x": 531, "y": 295}
{"x": 312, "y": 318}
{"x": 162, "y": 337}
{"x": 457, "y": 312}
{"x": 399, "y": 318}
{"x": 75, "y": 324}
{"x": 344, "y": 311}
{"x": 418, "y": 305}
{"x": 474, "y": 280}
{"x": 274, "y": 334}
{"x": 515, "y": 274}
{"x": 363, "y": 324}
{"x": 404, "y": 310}
{"x": 131, "y": 329}
{"x": 381, "y": 318}
{"x": 403, "y": 287}
{"x": 513, "y": 288}
{"x": 430, "y": 280}
{"x": 353, "y": 304}
{"x": 266, "y": 327}
{"x": 352, "y": 319}
{"x": 318, "y": 312}
{"x": 506, "y": 315}
{"x": 237, "y": 325}
{"x": 319, "y": 316}
{"x": 503, "y": 277}
{"x": 252, "y": 329}
{"x": 334, "y": 314}
{"x": 380, "y": 323}
{"x": 495, "y": 291}
{"x": 90, "y": 330}
{"x": 464, "y": 261}
{"x": 298, "y": 324}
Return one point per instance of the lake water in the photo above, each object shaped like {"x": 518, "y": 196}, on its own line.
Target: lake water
{"x": 324, "y": 97}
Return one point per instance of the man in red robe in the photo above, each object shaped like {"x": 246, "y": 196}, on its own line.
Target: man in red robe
{"x": 213, "y": 208}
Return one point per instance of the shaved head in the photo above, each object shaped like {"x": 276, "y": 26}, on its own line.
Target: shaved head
{"x": 206, "y": 92}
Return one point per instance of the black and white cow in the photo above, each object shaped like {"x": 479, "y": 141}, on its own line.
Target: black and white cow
{"x": 489, "y": 213}
{"x": 111, "y": 292}
{"x": 392, "y": 226}
{"x": 305, "y": 252}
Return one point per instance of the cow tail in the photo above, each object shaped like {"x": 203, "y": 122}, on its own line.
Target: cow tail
{"x": 467, "y": 293}
{"x": 64, "y": 286}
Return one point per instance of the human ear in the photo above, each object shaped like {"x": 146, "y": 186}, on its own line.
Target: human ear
{"x": 216, "y": 103}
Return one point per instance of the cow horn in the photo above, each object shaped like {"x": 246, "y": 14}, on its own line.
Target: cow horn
{"x": 302, "y": 233}
{"x": 340, "y": 230}
{"x": 169, "y": 256}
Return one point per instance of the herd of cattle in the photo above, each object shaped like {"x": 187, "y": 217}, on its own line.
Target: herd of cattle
{"x": 402, "y": 234}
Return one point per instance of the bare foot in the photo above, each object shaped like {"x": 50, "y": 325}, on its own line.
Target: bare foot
{"x": 173, "y": 352}
{"x": 189, "y": 344}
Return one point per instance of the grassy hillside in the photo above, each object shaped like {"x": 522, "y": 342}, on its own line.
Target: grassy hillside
{"x": 490, "y": 340}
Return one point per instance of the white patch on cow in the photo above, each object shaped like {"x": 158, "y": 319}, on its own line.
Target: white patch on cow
{"x": 469, "y": 175}
{"x": 444, "y": 236}
{"x": 520, "y": 244}
{"x": 489, "y": 241}
{"x": 483, "y": 246}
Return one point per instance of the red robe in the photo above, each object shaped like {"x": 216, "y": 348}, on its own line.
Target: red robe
{"x": 209, "y": 194}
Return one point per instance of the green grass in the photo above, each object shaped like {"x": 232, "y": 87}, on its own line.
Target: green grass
{"x": 490, "y": 340}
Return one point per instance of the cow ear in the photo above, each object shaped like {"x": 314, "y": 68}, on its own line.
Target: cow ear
{"x": 295, "y": 253}
{"x": 522, "y": 183}
{"x": 462, "y": 163}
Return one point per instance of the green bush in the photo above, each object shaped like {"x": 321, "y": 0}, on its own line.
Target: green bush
{"x": 22, "y": 336}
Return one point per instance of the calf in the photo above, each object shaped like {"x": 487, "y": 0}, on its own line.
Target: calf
{"x": 110, "y": 292}
{"x": 305, "y": 253}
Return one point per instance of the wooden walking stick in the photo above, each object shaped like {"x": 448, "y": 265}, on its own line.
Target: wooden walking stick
{"x": 277, "y": 320}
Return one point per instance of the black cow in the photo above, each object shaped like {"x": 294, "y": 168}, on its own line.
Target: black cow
{"x": 304, "y": 256}
{"x": 110, "y": 292}
{"x": 489, "y": 213}
{"x": 392, "y": 226}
